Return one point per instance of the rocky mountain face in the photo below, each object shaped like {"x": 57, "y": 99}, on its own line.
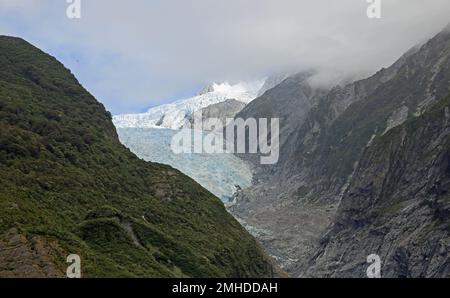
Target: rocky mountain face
{"x": 271, "y": 82}
{"x": 221, "y": 111}
{"x": 68, "y": 186}
{"x": 290, "y": 101}
{"x": 323, "y": 136}
{"x": 397, "y": 205}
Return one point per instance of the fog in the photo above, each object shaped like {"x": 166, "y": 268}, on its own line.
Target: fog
{"x": 140, "y": 53}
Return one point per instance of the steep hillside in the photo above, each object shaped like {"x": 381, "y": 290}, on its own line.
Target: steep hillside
{"x": 67, "y": 186}
{"x": 296, "y": 200}
{"x": 397, "y": 205}
{"x": 420, "y": 78}
{"x": 290, "y": 101}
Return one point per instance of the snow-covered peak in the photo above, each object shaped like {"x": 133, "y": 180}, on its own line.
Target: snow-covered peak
{"x": 178, "y": 114}
{"x": 243, "y": 91}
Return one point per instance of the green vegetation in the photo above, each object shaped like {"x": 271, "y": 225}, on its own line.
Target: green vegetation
{"x": 65, "y": 178}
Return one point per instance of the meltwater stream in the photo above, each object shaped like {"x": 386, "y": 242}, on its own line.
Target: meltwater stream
{"x": 218, "y": 173}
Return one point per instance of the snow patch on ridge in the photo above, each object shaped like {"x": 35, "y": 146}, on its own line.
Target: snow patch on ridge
{"x": 178, "y": 114}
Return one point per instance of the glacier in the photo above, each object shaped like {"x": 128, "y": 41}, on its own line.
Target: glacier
{"x": 178, "y": 114}
{"x": 149, "y": 136}
{"x": 218, "y": 173}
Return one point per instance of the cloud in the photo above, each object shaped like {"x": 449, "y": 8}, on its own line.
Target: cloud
{"x": 8, "y": 4}
{"x": 135, "y": 54}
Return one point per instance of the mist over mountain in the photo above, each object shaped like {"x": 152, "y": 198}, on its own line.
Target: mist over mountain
{"x": 363, "y": 106}
{"x": 148, "y": 53}
{"x": 327, "y": 163}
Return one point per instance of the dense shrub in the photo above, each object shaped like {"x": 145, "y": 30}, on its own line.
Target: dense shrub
{"x": 61, "y": 163}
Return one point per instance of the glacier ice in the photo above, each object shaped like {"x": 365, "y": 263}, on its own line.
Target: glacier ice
{"x": 177, "y": 114}
{"x": 218, "y": 173}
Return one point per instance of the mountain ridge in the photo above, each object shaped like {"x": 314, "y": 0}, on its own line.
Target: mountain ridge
{"x": 295, "y": 201}
{"x": 399, "y": 194}
{"x": 180, "y": 113}
{"x": 67, "y": 186}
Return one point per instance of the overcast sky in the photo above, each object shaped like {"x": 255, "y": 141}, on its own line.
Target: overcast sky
{"x": 135, "y": 54}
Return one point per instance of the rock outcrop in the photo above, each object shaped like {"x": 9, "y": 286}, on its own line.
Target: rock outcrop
{"x": 323, "y": 136}
{"x": 397, "y": 205}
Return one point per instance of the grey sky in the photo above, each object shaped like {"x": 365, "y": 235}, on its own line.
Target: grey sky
{"x": 140, "y": 53}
